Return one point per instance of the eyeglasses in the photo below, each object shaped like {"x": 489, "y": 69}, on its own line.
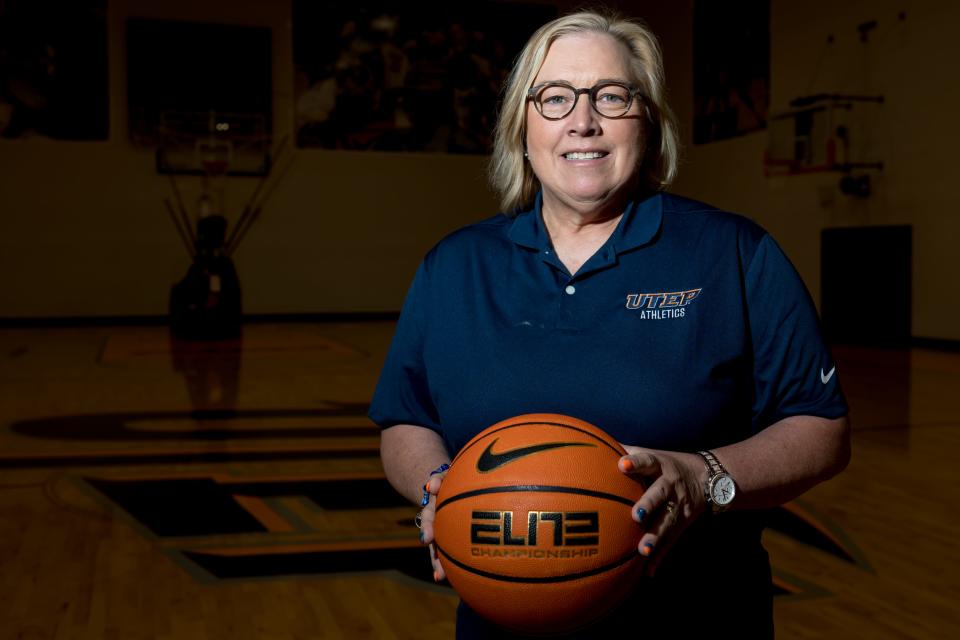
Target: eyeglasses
{"x": 556, "y": 100}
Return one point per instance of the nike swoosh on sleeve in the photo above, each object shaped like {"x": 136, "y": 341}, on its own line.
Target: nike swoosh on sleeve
{"x": 825, "y": 377}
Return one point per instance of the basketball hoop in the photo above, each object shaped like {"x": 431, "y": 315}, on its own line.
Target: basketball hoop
{"x": 215, "y": 168}
{"x": 215, "y": 156}
{"x": 823, "y": 133}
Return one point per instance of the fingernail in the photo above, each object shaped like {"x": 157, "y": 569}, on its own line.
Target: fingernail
{"x": 647, "y": 549}
{"x": 421, "y": 537}
{"x": 641, "y": 514}
{"x": 436, "y": 576}
{"x": 626, "y": 464}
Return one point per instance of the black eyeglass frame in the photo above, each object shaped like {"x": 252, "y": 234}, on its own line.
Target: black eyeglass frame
{"x": 535, "y": 90}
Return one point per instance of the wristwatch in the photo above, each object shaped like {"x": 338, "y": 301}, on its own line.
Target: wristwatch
{"x": 720, "y": 489}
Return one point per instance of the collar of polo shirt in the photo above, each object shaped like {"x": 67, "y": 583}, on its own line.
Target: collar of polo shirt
{"x": 639, "y": 225}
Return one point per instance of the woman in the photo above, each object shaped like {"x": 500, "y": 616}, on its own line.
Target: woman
{"x": 675, "y": 327}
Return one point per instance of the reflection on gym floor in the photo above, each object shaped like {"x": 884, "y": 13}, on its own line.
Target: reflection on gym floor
{"x": 155, "y": 487}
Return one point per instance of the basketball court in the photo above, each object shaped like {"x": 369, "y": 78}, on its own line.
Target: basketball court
{"x": 162, "y": 489}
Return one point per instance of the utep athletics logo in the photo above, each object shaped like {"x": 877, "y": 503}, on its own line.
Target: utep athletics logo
{"x": 661, "y": 306}
{"x": 568, "y": 534}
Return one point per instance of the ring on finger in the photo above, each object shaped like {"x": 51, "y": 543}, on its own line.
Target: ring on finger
{"x": 671, "y": 507}
{"x": 418, "y": 519}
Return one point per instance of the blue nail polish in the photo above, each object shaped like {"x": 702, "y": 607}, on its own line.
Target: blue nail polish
{"x": 421, "y": 537}
{"x": 647, "y": 548}
{"x": 641, "y": 514}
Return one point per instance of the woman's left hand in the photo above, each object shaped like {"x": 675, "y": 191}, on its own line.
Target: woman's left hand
{"x": 673, "y": 499}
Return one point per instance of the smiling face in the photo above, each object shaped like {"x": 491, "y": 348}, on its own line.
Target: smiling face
{"x": 586, "y": 164}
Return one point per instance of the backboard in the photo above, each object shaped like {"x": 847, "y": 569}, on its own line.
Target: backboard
{"x": 212, "y": 144}
{"x": 824, "y": 133}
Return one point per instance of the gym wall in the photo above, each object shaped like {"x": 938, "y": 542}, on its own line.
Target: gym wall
{"x": 83, "y": 231}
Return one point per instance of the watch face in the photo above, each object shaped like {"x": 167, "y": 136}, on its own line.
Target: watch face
{"x": 723, "y": 490}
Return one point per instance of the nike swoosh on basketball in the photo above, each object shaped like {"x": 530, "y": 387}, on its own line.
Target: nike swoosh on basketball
{"x": 488, "y": 460}
{"x": 825, "y": 378}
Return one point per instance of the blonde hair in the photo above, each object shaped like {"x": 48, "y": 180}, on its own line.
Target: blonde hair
{"x": 511, "y": 176}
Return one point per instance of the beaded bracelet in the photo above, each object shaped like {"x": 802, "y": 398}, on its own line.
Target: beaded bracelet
{"x": 425, "y": 500}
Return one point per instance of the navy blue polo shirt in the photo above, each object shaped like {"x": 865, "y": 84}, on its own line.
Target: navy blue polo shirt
{"x": 688, "y": 329}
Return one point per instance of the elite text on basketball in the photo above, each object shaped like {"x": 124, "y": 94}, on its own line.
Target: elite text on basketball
{"x": 559, "y": 528}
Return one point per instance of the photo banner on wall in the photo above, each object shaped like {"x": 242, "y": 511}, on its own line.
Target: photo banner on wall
{"x": 731, "y": 68}
{"x": 53, "y": 69}
{"x": 405, "y": 77}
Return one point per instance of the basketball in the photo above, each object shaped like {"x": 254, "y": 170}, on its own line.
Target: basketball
{"x": 533, "y": 524}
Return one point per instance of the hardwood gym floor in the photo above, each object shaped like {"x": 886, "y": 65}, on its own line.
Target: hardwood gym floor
{"x": 152, "y": 489}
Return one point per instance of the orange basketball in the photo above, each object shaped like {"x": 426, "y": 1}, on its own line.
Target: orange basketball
{"x": 533, "y": 524}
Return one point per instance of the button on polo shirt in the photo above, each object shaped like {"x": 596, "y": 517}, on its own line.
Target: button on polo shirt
{"x": 687, "y": 329}
{"x": 563, "y": 300}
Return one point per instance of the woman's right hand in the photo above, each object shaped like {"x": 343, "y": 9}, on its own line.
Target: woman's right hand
{"x": 408, "y": 453}
{"x": 426, "y": 524}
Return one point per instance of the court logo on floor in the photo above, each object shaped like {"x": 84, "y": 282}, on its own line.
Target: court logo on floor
{"x": 227, "y": 528}
{"x": 233, "y": 527}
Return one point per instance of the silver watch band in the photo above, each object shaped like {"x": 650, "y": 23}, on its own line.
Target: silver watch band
{"x": 713, "y": 465}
